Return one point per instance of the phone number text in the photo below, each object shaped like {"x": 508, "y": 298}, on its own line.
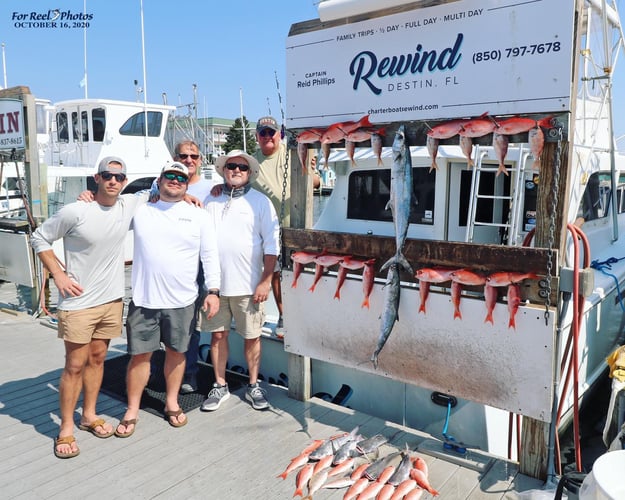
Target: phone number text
{"x": 520, "y": 51}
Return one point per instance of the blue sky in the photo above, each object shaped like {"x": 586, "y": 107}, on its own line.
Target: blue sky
{"x": 223, "y": 47}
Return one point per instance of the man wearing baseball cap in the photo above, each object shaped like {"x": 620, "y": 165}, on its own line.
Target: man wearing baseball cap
{"x": 91, "y": 287}
{"x": 171, "y": 238}
{"x": 247, "y": 228}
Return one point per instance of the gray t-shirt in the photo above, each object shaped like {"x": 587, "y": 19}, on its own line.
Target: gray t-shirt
{"x": 93, "y": 241}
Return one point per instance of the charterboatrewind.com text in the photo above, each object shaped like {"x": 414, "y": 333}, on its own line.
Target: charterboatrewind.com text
{"x": 51, "y": 19}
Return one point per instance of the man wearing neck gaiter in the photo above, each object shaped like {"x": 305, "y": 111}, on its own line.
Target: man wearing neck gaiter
{"x": 247, "y": 231}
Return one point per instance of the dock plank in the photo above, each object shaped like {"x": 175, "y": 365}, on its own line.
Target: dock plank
{"x": 236, "y": 452}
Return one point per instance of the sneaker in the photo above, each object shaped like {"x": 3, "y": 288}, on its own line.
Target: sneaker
{"x": 280, "y": 328}
{"x": 217, "y": 395}
{"x": 189, "y": 385}
{"x": 256, "y": 395}
{"x": 280, "y": 323}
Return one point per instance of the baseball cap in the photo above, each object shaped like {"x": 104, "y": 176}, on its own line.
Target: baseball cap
{"x": 176, "y": 167}
{"x": 103, "y": 166}
{"x": 267, "y": 122}
{"x": 251, "y": 161}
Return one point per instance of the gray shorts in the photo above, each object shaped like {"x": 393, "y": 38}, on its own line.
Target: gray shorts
{"x": 147, "y": 328}
{"x": 249, "y": 318}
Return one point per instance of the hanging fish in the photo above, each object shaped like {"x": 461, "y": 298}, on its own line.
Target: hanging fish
{"x": 500, "y": 145}
{"x": 338, "y": 131}
{"x": 477, "y": 127}
{"x": 309, "y": 136}
{"x": 323, "y": 262}
{"x": 519, "y": 124}
{"x": 463, "y": 277}
{"x": 300, "y": 259}
{"x": 432, "y": 147}
{"x": 504, "y": 278}
{"x": 364, "y": 134}
{"x": 536, "y": 139}
{"x": 430, "y": 275}
{"x": 302, "y": 154}
{"x": 466, "y": 145}
{"x": 450, "y": 128}
{"x": 325, "y": 149}
{"x": 368, "y": 278}
{"x": 346, "y": 264}
{"x": 376, "y": 146}
{"x": 514, "y": 300}
{"x": 490, "y": 298}
{"x": 350, "y": 149}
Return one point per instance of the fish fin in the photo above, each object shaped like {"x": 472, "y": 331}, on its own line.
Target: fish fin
{"x": 365, "y": 303}
{"x": 457, "y": 314}
{"x": 512, "y": 323}
{"x": 489, "y": 318}
{"x": 422, "y": 307}
{"x": 337, "y": 295}
{"x": 294, "y": 284}
{"x": 502, "y": 169}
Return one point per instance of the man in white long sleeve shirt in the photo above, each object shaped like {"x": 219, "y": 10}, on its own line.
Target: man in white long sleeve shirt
{"x": 171, "y": 237}
{"x": 91, "y": 288}
{"x": 247, "y": 230}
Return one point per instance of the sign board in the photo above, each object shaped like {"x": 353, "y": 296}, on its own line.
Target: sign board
{"x": 11, "y": 124}
{"x": 457, "y": 59}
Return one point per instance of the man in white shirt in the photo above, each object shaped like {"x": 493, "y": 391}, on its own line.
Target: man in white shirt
{"x": 171, "y": 238}
{"x": 247, "y": 228}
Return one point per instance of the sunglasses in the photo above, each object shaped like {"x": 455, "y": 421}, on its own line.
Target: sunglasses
{"x": 267, "y": 132}
{"x": 170, "y": 176}
{"x": 107, "y": 176}
{"x": 233, "y": 166}
{"x": 184, "y": 156}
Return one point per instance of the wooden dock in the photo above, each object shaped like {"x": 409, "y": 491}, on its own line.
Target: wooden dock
{"x": 235, "y": 452}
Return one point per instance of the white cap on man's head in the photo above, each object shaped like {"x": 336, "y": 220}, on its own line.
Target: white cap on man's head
{"x": 176, "y": 167}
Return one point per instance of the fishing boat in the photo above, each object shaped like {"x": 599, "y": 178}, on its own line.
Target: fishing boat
{"x": 518, "y": 371}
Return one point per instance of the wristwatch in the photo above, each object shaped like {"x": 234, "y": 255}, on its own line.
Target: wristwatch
{"x": 213, "y": 292}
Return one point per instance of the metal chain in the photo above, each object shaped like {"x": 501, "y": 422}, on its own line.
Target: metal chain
{"x": 285, "y": 177}
{"x": 552, "y": 224}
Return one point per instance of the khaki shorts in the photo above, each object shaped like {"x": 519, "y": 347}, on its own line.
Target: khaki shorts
{"x": 249, "y": 317}
{"x": 84, "y": 325}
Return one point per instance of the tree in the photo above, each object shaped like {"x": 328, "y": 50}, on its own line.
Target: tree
{"x": 234, "y": 137}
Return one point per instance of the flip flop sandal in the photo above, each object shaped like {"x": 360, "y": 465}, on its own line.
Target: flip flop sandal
{"x": 175, "y": 413}
{"x": 92, "y": 428}
{"x": 126, "y": 423}
{"x": 65, "y": 440}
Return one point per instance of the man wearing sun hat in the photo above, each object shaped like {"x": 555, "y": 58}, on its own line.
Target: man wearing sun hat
{"x": 171, "y": 238}
{"x": 91, "y": 287}
{"x": 247, "y": 228}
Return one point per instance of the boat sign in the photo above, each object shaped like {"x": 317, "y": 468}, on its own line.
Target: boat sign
{"x": 460, "y": 58}
{"x": 11, "y": 124}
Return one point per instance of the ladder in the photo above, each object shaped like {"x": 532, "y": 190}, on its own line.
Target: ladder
{"x": 514, "y": 200}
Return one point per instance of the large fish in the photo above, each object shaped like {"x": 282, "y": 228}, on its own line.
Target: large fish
{"x": 400, "y": 198}
{"x": 402, "y": 472}
{"x": 390, "y": 314}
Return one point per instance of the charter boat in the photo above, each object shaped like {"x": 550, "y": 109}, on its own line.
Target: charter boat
{"x": 482, "y": 368}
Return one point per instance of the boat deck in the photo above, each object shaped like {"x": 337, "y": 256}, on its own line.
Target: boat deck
{"x": 235, "y": 452}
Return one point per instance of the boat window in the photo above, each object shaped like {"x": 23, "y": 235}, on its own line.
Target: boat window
{"x": 79, "y": 127}
{"x": 41, "y": 119}
{"x": 369, "y": 192}
{"x": 98, "y": 121}
{"x": 135, "y": 125}
{"x": 62, "y": 130}
{"x": 139, "y": 185}
{"x": 596, "y": 200}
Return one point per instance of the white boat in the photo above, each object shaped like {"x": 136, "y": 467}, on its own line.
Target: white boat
{"x": 467, "y": 378}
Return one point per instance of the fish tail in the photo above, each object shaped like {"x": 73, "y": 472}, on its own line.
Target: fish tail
{"x": 433, "y": 166}
{"x": 403, "y": 262}
{"x": 365, "y": 303}
{"x": 512, "y": 323}
{"x": 374, "y": 359}
{"x": 489, "y": 318}
{"x": 457, "y": 314}
{"x": 337, "y": 295}
{"x": 294, "y": 284}
{"x": 422, "y": 307}
{"x": 502, "y": 169}
{"x": 312, "y": 287}
{"x": 380, "y": 162}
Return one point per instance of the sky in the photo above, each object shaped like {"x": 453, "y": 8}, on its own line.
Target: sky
{"x": 231, "y": 50}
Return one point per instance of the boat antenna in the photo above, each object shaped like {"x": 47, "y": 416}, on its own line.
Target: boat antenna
{"x": 242, "y": 121}
{"x": 283, "y": 131}
{"x": 4, "y": 66}
{"x": 145, "y": 84}
{"x": 268, "y": 107}
{"x": 84, "y": 82}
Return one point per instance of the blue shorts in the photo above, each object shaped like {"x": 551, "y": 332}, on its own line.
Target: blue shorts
{"x": 147, "y": 328}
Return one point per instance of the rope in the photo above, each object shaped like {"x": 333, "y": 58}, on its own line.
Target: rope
{"x": 607, "y": 264}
